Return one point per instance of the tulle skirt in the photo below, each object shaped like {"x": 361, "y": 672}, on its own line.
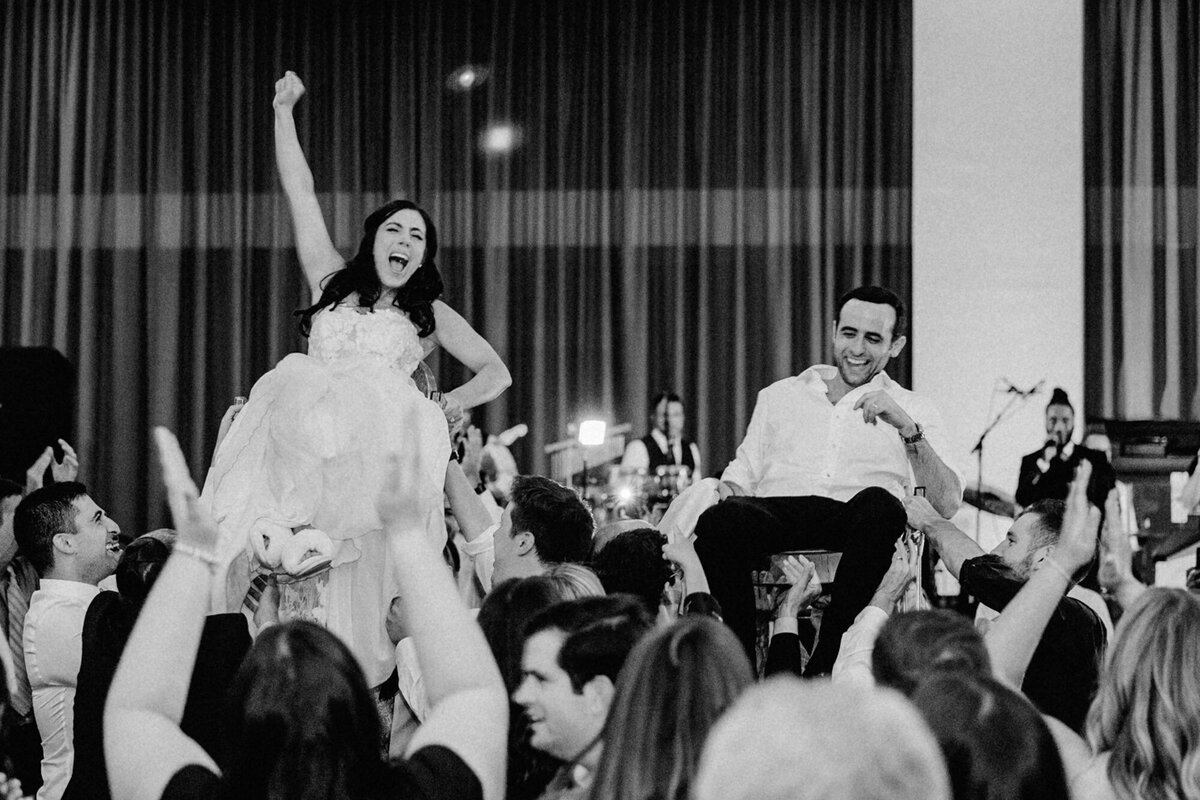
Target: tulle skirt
{"x": 310, "y": 449}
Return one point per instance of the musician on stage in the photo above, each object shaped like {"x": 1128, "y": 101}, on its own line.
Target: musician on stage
{"x": 664, "y": 445}
{"x": 1046, "y": 473}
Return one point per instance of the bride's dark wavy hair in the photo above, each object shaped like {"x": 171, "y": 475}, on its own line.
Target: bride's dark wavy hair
{"x": 414, "y": 298}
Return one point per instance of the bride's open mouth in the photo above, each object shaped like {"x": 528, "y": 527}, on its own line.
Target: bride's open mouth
{"x": 398, "y": 262}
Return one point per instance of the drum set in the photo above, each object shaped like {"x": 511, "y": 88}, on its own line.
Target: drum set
{"x": 639, "y": 493}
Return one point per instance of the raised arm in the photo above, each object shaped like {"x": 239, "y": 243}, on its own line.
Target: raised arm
{"x": 149, "y": 690}
{"x": 1014, "y": 635}
{"x": 318, "y": 256}
{"x": 460, "y": 340}
{"x": 1116, "y": 556}
{"x": 469, "y": 704}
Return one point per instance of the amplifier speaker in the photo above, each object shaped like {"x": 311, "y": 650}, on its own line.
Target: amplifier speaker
{"x": 37, "y": 399}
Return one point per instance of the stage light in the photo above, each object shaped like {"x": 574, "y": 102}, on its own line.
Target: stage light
{"x": 500, "y": 138}
{"x": 625, "y": 494}
{"x": 591, "y": 432}
{"x": 466, "y": 77}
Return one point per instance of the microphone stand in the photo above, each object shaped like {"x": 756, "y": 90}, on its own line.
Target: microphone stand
{"x": 1003, "y": 414}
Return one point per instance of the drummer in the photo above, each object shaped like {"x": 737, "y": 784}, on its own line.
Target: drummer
{"x": 664, "y": 445}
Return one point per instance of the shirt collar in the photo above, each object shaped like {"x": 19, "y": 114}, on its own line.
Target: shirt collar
{"x": 1068, "y": 449}
{"x": 816, "y": 376}
{"x": 69, "y": 588}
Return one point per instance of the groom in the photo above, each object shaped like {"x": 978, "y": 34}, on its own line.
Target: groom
{"x": 826, "y": 459}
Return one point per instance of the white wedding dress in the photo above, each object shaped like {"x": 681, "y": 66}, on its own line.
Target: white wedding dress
{"x": 310, "y": 449}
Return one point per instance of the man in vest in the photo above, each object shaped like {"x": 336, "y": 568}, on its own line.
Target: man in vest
{"x": 664, "y": 445}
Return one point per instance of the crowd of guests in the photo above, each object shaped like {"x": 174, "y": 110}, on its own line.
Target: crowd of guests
{"x": 597, "y": 665}
{"x": 246, "y": 651}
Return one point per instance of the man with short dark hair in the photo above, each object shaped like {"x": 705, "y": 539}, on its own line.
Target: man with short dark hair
{"x": 827, "y": 457}
{"x": 664, "y": 445}
{"x": 572, "y": 655}
{"x": 1064, "y": 672}
{"x": 545, "y": 523}
{"x": 73, "y": 544}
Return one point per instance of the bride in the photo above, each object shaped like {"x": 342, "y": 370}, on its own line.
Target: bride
{"x": 300, "y": 468}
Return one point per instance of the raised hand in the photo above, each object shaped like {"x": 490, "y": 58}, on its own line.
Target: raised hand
{"x": 37, "y": 470}
{"x": 1081, "y": 523}
{"x": 921, "y": 514}
{"x": 472, "y": 453}
{"x": 193, "y": 523}
{"x": 1116, "y": 553}
{"x": 68, "y": 468}
{"x": 900, "y": 573}
{"x": 402, "y": 506}
{"x": 288, "y": 90}
{"x": 805, "y": 585}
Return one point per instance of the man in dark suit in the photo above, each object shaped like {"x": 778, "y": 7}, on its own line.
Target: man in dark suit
{"x": 1046, "y": 474}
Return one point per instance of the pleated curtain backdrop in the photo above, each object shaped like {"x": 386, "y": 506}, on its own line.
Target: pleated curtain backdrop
{"x": 1141, "y": 134}
{"x": 694, "y": 183}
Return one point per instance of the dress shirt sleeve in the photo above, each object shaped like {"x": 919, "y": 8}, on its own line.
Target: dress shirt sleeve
{"x": 853, "y": 665}
{"x": 55, "y": 643}
{"x": 481, "y": 551}
{"x": 636, "y": 456}
{"x": 746, "y": 468}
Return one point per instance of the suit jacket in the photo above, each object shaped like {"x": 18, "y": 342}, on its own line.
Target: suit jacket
{"x": 1034, "y": 485}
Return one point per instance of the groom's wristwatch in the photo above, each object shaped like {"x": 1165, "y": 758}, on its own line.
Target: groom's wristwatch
{"x": 916, "y": 437}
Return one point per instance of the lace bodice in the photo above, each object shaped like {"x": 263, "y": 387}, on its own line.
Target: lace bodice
{"x": 348, "y": 331}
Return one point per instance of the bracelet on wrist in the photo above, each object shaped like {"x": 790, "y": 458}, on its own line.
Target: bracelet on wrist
{"x": 191, "y": 551}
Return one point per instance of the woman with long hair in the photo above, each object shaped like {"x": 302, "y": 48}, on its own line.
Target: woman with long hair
{"x": 1144, "y": 724}
{"x": 303, "y": 721}
{"x": 301, "y": 464}
{"x": 675, "y": 684}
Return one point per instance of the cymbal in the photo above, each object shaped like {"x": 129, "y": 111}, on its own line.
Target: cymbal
{"x": 991, "y": 500}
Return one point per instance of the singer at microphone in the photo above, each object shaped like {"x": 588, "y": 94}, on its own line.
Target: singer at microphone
{"x": 1046, "y": 473}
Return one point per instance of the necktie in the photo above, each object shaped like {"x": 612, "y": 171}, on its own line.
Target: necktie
{"x": 18, "y": 604}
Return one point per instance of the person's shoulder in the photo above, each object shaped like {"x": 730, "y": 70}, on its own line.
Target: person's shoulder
{"x": 790, "y": 384}
{"x": 434, "y": 773}
{"x": 903, "y": 394}
{"x": 1081, "y": 614}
